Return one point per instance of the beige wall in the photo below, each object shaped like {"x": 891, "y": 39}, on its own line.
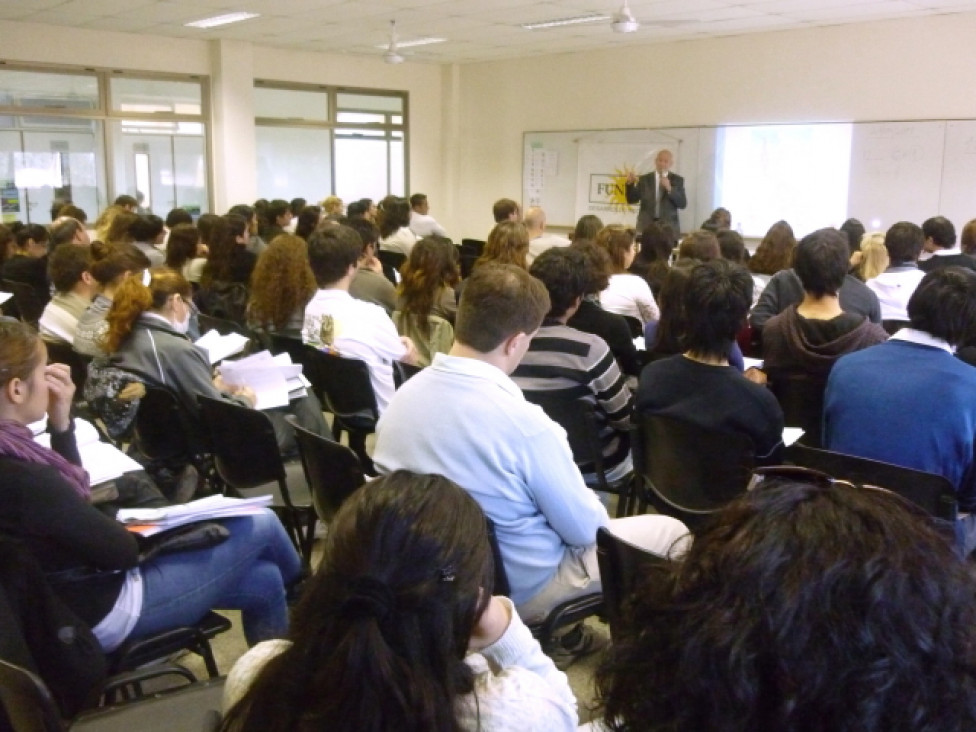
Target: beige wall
{"x": 226, "y": 63}
{"x": 898, "y": 70}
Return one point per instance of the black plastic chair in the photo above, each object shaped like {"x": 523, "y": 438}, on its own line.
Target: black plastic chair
{"x": 470, "y": 251}
{"x": 634, "y": 325}
{"x": 344, "y": 388}
{"x": 801, "y": 396}
{"x": 285, "y": 344}
{"x": 893, "y": 326}
{"x": 164, "y": 430}
{"x": 391, "y": 261}
{"x": 332, "y": 470}
{"x": 688, "y": 471}
{"x": 64, "y": 353}
{"x": 624, "y": 567}
{"x": 933, "y": 493}
{"x": 248, "y": 460}
{"x": 576, "y": 416}
{"x": 28, "y": 301}
{"x": 403, "y": 371}
{"x": 221, "y": 325}
{"x": 566, "y": 613}
{"x": 29, "y": 707}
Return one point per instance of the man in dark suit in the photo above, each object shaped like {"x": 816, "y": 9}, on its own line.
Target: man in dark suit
{"x": 661, "y": 193}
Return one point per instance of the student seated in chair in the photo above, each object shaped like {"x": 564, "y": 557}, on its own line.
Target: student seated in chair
{"x": 802, "y": 606}
{"x": 810, "y": 336}
{"x": 146, "y": 336}
{"x": 576, "y": 365}
{"x": 336, "y": 321}
{"x": 91, "y": 560}
{"x": 699, "y": 385}
{"x": 463, "y": 417}
{"x": 69, "y": 269}
{"x": 909, "y": 401}
{"x": 398, "y": 629}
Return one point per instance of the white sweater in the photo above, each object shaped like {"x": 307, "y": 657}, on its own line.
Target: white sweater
{"x": 630, "y": 295}
{"x": 516, "y": 686}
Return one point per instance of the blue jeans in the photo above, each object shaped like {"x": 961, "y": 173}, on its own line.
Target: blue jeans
{"x": 247, "y": 572}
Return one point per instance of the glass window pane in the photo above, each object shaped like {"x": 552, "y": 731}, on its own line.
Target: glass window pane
{"x": 294, "y": 162}
{"x": 176, "y": 161}
{"x": 48, "y": 91}
{"x": 369, "y": 103}
{"x": 398, "y": 185}
{"x": 361, "y": 118}
{"x": 39, "y": 167}
{"x": 361, "y": 168}
{"x": 155, "y": 96}
{"x": 291, "y": 104}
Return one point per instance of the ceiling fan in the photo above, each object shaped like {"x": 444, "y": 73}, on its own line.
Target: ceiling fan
{"x": 392, "y": 55}
{"x": 623, "y": 21}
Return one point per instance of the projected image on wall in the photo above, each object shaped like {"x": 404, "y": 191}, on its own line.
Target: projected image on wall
{"x": 799, "y": 173}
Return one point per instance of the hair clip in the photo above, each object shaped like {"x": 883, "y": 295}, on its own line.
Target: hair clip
{"x": 447, "y": 574}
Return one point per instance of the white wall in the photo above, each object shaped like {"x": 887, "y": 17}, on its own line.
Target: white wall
{"x": 896, "y": 70}
{"x": 226, "y": 63}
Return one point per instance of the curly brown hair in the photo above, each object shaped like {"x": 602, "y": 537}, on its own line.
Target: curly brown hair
{"x": 282, "y": 282}
{"x": 508, "y": 243}
{"x": 775, "y": 251}
{"x": 431, "y": 267}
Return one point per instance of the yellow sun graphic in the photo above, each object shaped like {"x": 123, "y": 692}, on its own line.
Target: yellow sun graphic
{"x": 618, "y": 199}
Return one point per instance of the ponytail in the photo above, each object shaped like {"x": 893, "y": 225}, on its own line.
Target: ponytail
{"x": 132, "y": 299}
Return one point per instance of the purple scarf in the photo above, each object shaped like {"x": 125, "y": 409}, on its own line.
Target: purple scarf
{"x": 16, "y": 441}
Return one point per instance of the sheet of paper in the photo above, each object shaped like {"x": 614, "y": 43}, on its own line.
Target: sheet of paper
{"x": 149, "y": 521}
{"x": 219, "y": 347}
{"x": 791, "y": 435}
{"x": 749, "y": 363}
{"x": 4, "y": 296}
{"x": 103, "y": 461}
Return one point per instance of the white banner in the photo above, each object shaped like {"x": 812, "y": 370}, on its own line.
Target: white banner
{"x": 603, "y": 169}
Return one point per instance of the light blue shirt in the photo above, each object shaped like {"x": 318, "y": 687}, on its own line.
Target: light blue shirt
{"x": 466, "y": 420}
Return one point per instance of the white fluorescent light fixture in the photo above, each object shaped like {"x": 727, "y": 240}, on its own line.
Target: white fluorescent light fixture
{"x": 225, "y": 19}
{"x": 416, "y": 42}
{"x": 558, "y": 22}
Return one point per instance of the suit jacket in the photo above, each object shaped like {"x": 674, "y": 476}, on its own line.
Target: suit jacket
{"x": 670, "y": 203}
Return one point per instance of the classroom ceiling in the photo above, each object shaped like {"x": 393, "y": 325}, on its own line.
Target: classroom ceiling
{"x": 475, "y": 30}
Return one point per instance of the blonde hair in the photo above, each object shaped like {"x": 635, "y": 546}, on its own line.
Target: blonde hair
{"x": 874, "y": 256}
{"x": 331, "y": 205}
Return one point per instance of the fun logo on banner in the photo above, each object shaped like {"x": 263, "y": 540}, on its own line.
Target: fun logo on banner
{"x": 602, "y": 179}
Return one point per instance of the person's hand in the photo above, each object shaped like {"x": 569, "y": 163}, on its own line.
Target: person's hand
{"x": 133, "y": 390}
{"x": 411, "y": 357}
{"x": 221, "y": 385}
{"x": 247, "y": 394}
{"x": 61, "y": 390}
{"x": 374, "y": 264}
{"x": 632, "y": 178}
{"x": 666, "y": 183}
{"x": 492, "y": 624}
{"x": 756, "y": 376}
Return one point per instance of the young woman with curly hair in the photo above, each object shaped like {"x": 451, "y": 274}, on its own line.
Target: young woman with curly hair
{"x": 426, "y": 302}
{"x": 806, "y": 604}
{"x": 281, "y": 286}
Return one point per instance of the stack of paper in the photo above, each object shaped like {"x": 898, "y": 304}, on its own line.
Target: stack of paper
{"x": 104, "y": 462}
{"x": 149, "y": 521}
{"x": 219, "y": 347}
{"x": 274, "y": 379}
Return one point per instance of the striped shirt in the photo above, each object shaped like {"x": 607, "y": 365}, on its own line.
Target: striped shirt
{"x": 581, "y": 366}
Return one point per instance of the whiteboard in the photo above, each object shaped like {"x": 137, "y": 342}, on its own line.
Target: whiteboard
{"x": 898, "y": 171}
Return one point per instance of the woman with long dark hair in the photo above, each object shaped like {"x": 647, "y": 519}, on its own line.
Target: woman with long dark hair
{"x": 398, "y": 629}
{"x": 427, "y": 303}
{"x": 393, "y": 220}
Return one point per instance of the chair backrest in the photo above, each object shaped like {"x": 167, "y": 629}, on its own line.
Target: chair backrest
{"x": 26, "y": 701}
{"x": 893, "y": 326}
{"x": 470, "y": 251}
{"x": 64, "y": 353}
{"x": 689, "y": 471}
{"x": 801, "y": 396}
{"x": 576, "y": 417}
{"x": 243, "y": 441}
{"x": 403, "y": 371}
{"x": 221, "y": 325}
{"x": 29, "y": 301}
{"x": 623, "y": 568}
{"x": 164, "y": 430}
{"x": 634, "y": 325}
{"x": 933, "y": 493}
{"x": 502, "y": 586}
{"x": 344, "y": 387}
{"x": 332, "y": 470}
{"x": 285, "y": 344}
{"x": 391, "y": 261}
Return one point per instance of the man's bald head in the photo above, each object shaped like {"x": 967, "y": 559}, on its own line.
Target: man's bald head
{"x": 535, "y": 220}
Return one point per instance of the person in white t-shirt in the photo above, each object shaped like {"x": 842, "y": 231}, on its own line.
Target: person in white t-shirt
{"x": 336, "y": 321}
{"x": 627, "y": 294}
{"x": 421, "y": 222}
